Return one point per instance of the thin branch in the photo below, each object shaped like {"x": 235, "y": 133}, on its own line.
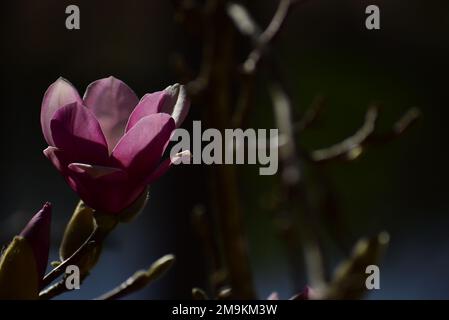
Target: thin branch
{"x": 262, "y": 41}
{"x": 214, "y": 83}
{"x": 291, "y": 171}
{"x": 293, "y": 183}
{"x": 353, "y": 146}
{"x": 220, "y": 44}
{"x": 243, "y": 21}
{"x": 267, "y": 37}
{"x": 201, "y": 83}
{"x": 57, "y": 289}
{"x": 140, "y": 279}
{"x": 90, "y": 243}
{"x": 399, "y": 128}
{"x": 54, "y": 290}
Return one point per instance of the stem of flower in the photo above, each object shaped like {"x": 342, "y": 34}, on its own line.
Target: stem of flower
{"x": 95, "y": 237}
{"x": 56, "y": 289}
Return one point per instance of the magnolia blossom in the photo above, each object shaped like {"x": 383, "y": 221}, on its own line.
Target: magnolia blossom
{"x": 37, "y": 235}
{"x": 24, "y": 261}
{"x": 108, "y": 145}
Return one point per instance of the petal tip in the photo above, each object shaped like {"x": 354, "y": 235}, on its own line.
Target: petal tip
{"x": 59, "y": 93}
{"x": 47, "y": 206}
{"x": 62, "y": 79}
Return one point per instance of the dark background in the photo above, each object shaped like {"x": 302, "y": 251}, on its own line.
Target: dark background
{"x": 325, "y": 49}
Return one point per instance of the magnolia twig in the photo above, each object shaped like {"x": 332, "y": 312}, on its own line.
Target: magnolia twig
{"x": 268, "y": 35}
{"x": 294, "y": 186}
{"x": 53, "y": 290}
{"x": 262, "y": 40}
{"x": 57, "y": 289}
{"x": 218, "y": 65}
{"x": 283, "y": 110}
{"x": 399, "y": 128}
{"x": 140, "y": 279}
{"x": 243, "y": 21}
{"x": 214, "y": 83}
{"x": 352, "y": 147}
{"x": 95, "y": 237}
{"x": 201, "y": 83}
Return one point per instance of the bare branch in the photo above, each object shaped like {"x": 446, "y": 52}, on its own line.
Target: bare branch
{"x": 140, "y": 279}
{"x": 262, "y": 40}
{"x": 243, "y": 21}
{"x": 53, "y": 291}
{"x": 293, "y": 184}
{"x": 265, "y": 39}
{"x": 57, "y": 288}
{"x": 352, "y": 147}
{"x": 249, "y": 66}
{"x": 104, "y": 224}
{"x": 90, "y": 243}
{"x": 399, "y": 128}
{"x": 291, "y": 171}
{"x": 215, "y": 81}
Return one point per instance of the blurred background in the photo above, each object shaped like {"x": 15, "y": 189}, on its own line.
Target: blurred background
{"x": 324, "y": 49}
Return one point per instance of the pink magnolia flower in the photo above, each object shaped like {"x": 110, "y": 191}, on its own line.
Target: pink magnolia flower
{"x": 108, "y": 144}
{"x": 37, "y": 234}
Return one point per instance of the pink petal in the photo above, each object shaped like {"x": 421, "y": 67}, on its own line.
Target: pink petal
{"x": 141, "y": 148}
{"x": 109, "y": 193}
{"x": 60, "y": 162}
{"x": 96, "y": 172}
{"x": 173, "y": 101}
{"x": 76, "y": 132}
{"x": 104, "y": 189}
{"x": 112, "y": 102}
{"x": 37, "y": 234}
{"x": 178, "y": 104}
{"x": 59, "y": 94}
{"x": 56, "y": 157}
{"x": 151, "y": 103}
